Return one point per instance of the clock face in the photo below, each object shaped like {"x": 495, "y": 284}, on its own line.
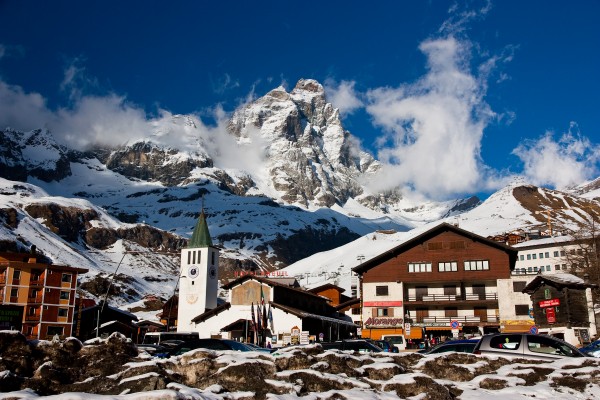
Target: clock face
{"x": 212, "y": 272}
{"x": 193, "y": 272}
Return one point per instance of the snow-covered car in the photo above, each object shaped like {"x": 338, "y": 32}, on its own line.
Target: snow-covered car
{"x": 592, "y": 349}
{"x": 523, "y": 345}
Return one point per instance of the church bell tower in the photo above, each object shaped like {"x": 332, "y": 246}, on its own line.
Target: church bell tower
{"x": 198, "y": 276}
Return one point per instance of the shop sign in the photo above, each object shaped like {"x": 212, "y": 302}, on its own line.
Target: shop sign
{"x": 551, "y": 315}
{"x": 426, "y": 324}
{"x": 384, "y": 322}
{"x": 549, "y": 303}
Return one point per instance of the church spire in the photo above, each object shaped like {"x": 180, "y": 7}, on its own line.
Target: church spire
{"x": 201, "y": 235}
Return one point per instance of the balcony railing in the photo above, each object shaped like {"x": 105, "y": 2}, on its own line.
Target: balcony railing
{"x": 36, "y": 282}
{"x": 34, "y": 299}
{"x": 462, "y": 319}
{"x": 453, "y": 297}
{"x": 32, "y": 317}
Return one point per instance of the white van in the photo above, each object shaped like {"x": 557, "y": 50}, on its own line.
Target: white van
{"x": 396, "y": 340}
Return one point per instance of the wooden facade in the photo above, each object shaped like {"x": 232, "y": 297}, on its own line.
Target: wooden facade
{"x": 566, "y": 300}
{"x": 441, "y": 275}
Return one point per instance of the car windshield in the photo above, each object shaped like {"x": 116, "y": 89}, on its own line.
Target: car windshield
{"x": 510, "y": 342}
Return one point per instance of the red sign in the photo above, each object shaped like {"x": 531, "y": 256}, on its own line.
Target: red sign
{"x": 383, "y": 303}
{"x": 551, "y": 315}
{"x": 549, "y": 303}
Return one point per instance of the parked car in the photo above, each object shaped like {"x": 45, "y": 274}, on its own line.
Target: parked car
{"x": 359, "y": 345}
{"x": 541, "y": 347}
{"x": 210, "y": 344}
{"x": 386, "y": 346}
{"x": 459, "y": 346}
{"x": 592, "y": 349}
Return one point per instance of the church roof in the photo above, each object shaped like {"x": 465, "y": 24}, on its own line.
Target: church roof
{"x": 201, "y": 236}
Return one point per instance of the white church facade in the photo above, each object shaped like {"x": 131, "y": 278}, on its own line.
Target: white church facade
{"x": 286, "y": 312}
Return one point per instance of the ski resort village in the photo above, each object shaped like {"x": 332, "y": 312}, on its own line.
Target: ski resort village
{"x": 334, "y": 200}
{"x": 424, "y": 287}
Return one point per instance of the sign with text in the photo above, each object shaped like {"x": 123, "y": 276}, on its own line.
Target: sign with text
{"x": 397, "y": 303}
{"x": 407, "y": 329}
{"x": 384, "y": 322}
{"x": 11, "y": 317}
{"x": 551, "y": 315}
{"x": 549, "y": 303}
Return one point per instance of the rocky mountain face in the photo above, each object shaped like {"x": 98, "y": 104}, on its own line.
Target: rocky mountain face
{"x": 145, "y": 196}
{"x": 311, "y": 158}
{"x": 19, "y": 156}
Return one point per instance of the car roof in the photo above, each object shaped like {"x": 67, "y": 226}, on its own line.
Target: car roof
{"x": 461, "y": 341}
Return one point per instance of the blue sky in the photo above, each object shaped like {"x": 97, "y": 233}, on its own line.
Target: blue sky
{"x": 454, "y": 97}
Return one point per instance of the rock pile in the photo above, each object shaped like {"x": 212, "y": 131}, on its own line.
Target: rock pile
{"x": 114, "y": 366}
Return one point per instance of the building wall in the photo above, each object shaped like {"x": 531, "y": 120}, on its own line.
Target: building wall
{"x": 198, "y": 284}
{"x": 249, "y": 292}
{"x": 39, "y": 289}
{"x": 433, "y": 282}
{"x": 283, "y": 322}
{"x": 446, "y": 247}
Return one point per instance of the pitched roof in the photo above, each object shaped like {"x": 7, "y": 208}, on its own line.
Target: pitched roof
{"x": 209, "y": 313}
{"x": 436, "y": 230}
{"x": 327, "y": 286}
{"x": 201, "y": 235}
{"x": 562, "y": 279}
{"x": 273, "y": 283}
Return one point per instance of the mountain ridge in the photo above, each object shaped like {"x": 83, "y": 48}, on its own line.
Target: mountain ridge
{"x": 139, "y": 201}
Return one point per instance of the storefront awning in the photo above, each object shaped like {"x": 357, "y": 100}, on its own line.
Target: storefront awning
{"x": 517, "y": 328}
{"x": 414, "y": 334}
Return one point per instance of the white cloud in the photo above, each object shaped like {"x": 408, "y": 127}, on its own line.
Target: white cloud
{"x": 22, "y": 111}
{"x": 434, "y": 126}
{"x": 571, "y": 160}
{"x": 343, "y": 96}
{"x": 111, "y": 121}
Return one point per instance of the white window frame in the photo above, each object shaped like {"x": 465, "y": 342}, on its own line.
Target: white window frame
{"x": 477, "y": 265}
{"x": 448, "y": 266}
{"x": 415, "y": 267}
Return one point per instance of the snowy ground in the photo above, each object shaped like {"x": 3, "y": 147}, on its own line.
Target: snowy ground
{"x": 311, "y": 373}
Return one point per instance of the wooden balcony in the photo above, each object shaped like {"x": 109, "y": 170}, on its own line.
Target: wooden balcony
{"x": 427, "y": 298}
{"x": 465, "y": 320}
{"x": 36, "y": 282}
{"x": 32, "y": 317}
{"x": 34, "y": 299}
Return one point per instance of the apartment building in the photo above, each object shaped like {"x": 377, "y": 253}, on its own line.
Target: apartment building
{"x": 45, "y": 293}
{"x": 435, "y": 284}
